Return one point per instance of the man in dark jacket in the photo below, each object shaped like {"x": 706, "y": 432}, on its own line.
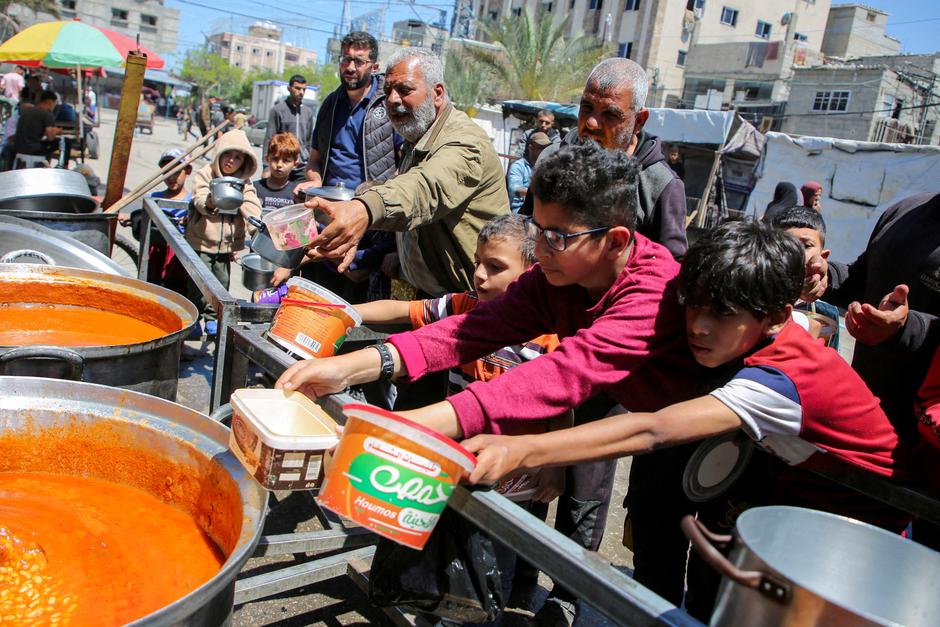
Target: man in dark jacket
{"x": 613, "y": 113}
{"x": 353, "y": 140}
{"x": 291, "y": 116}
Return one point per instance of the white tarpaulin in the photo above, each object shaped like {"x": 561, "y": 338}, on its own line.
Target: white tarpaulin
{"x": 690, "y": 126}
{"x": 859, "y": 179}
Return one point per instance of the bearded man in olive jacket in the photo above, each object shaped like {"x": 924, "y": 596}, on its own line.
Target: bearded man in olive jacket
{"x": 450, "y": 183}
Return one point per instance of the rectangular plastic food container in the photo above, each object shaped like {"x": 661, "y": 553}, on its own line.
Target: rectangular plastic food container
{"x": 280, "y": 437}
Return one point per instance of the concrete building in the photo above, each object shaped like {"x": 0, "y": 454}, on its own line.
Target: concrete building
{"x": 157, "y": 25}
{"x": 872, "y": 99}
{"x": 659, "y": 34}
{"x": 856, "y": 30}
{"x": 262, "y": 48}
{"x": 405, "y": 33}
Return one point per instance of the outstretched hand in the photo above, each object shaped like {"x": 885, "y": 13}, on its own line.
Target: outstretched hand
{"x": 314, "y": 377}
{"x": 873, "y": 325}
{"x": 348, "y": 223}
{"x": 497, "y": 456}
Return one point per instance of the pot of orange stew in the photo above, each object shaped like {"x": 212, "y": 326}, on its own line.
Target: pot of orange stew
{"x": 118, "y": 508}
{"x": 93, "y": 327}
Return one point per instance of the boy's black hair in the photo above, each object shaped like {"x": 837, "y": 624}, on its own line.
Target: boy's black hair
{"x": 596, "y": 187}
{"x": 742, "y": 265}
{"x": 46, "y": 95}
{"x": 801, "y": 218}
{"x": 361, "y": 39}
{"x": 510, "y": 227}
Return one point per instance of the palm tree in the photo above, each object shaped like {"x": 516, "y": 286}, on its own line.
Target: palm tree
{"x": 535, "y": 61}
{"x": 464, "y": 78}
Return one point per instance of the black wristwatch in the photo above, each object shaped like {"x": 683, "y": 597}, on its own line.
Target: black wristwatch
{"x": 388, "y": 363}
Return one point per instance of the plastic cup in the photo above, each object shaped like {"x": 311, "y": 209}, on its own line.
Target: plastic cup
{"x": 309, "y": 331}
{"x": 392, "y": 476}
{"x": 291, "y": 227}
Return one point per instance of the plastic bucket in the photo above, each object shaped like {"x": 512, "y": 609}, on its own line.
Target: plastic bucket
{"x": 310, "y": 331}
{"x": 280, "y": 437}
{"x": 291, "y": 227}
{"x": 393, "y": 476}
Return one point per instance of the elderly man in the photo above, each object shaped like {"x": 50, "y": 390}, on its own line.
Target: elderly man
{"x": 449, "y": 184}
{"x": 612, "y": 114}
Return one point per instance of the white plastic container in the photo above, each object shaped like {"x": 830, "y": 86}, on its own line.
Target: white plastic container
{"x": 280, "y": 437}
{"x": 291, "y": 227}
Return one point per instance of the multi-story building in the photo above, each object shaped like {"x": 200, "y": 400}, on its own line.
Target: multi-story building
{"x": 659, "y": 34}
{"x": 856, "y": 30}
{"x": 157, "y": 25}
{"x": 870, "y": 99}
{"x": 262, "y": 48}
{"x": 405, "y": 33}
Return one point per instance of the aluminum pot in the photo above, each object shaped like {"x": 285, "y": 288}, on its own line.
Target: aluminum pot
{"x": 151, "y": 367}
{"x": 329, "y": 192}
{"x": 45, "y": 189}
{"x": 22, "y": 241}
{"x": 223, "y": 498}
{"x": 227, "y": 193}
{"x": 794, "y": 566}
{"x": 91, "y": 229}
{"x": 256, "y": 272}
{"x": 262, "y": 244}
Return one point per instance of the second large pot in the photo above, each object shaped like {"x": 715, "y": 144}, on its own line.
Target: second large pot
{"x": 149, "y": 366}
{"x": 794, "y": 566}
{"x": 91, "y": 229}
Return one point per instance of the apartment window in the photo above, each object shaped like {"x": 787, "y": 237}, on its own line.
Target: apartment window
{"x": 67, "y": 8}
{"x": 799, "y": 37}
{"x": 870, "y": 16}
{"x": 831, "y": 100}
{"x": 680, "y": 58}
{"x": 625, "y": 49}
{"x": 517, "y": 11}
{"x": 494, "y": 15}
{"x": 571, "y": 4}
{"x": 695, "y": 5}
{"x": 763, "y": 29}
{"x": 119, "y": 15}
{"x": 291, "y": 57}
{"x": 594, "y": 5}
{"x": 255, "y": 51}
{"x": 632, "y": 5}
{"x": 238, "y": 48}
{"x": 268, "y": 53}
{"x": 729, "y": 16}
{"x": 148, "y": 20}
{"x": 548, "y": 7}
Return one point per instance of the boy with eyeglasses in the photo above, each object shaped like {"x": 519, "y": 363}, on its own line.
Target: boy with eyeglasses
{"x": 609, "y": 294}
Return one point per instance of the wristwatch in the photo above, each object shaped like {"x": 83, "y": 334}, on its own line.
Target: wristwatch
{"x": 388, "y": 363}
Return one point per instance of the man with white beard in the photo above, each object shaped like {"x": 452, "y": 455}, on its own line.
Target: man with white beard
{"x": 450, "y": 183}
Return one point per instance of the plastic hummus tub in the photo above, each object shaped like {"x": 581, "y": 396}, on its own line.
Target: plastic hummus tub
{"x": 280, "y": 437}
{"x": 392, "y": 476}
{"x": 307, "y": 330}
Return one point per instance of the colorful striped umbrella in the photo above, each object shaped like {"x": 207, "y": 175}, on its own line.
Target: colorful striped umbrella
{"x": 70, "y": 44}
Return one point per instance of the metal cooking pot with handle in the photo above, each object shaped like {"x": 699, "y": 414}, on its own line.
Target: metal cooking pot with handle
{"x": 45, "y": 189}
{"x": 227, "y": 193}
{"x": 262, "y": 244}
{"x": 795, "y": 566}
{"x": 256, "y": 272}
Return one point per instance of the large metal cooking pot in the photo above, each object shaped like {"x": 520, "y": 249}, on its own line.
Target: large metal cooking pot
{"x": 142, "y": 432}
{"x": 91, "y": 229}
{"x": 150, "y": 367}
{"x": 256, "y": 272}
{"x": 262, "y": 244}
{"x": 794, "y": 566}
{"x": 45, "y": 189}
{"x": 22, "y": 241}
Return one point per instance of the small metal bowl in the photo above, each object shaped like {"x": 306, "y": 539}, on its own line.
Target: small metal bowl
{"x": 227, "y": 193}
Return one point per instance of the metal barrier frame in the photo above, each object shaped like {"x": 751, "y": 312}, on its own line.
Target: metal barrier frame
{"x": 229, "y": 310}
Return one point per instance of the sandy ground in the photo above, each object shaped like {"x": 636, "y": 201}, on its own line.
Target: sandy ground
{"x": 339, "y": 601}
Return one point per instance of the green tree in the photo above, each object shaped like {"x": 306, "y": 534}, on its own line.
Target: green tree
{"x": 324, "y": 75}
{"x": 465, "y": 78}
{"x": 212, "y": 74}
{"x": 535, "y": 61}
{"x": 243, "y": 95}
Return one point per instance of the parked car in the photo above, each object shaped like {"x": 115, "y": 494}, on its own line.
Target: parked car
{"x": 256, "y": 133}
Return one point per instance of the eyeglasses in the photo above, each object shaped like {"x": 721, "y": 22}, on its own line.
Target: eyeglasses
{"x": 554, "y": 239}
{"x": 346, "y": 59}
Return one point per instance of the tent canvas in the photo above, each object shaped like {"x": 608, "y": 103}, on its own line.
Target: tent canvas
{"x": 860, "y": 180}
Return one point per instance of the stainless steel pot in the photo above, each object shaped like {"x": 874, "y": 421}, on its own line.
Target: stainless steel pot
{"x": 794, "y": 566}
{"x": 45, "y": 189}
{"x": 224, "y": 497}
{"x": 331, "y": 192}
{"x": 91, "y": 229}
{"x": 256, "y": 272}
{"x": 227, "y": 193}
{"x": 150, "y": 367}
{"x": 262, "y": 244}
{"x": 22, "y": 241}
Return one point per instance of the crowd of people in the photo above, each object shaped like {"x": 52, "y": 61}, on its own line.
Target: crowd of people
{"x": 576, "y": 324}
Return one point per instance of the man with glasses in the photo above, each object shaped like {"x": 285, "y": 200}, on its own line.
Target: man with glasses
{"x": 291, "y": 116}
{"x": 353, "y": 140}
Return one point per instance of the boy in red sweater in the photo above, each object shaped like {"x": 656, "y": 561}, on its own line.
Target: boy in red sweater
{"x": 609, "y": 294}
{"x": 798, "y": 399}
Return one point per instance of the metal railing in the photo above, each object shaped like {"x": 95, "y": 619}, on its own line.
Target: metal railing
{"x": 229, "y": 310}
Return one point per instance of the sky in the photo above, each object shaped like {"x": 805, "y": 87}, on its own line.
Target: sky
{"x": 914, "y": 22}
